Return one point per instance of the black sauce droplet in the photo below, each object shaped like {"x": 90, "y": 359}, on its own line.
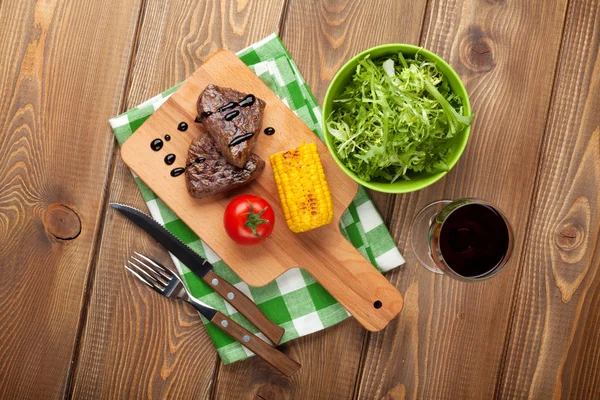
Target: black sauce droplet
{"x": 203, "y": 115}
{"x": 196, "y": 161}
{"x": 269, "y": 131}
{"x": 156, "y": 144}
{"x": 169, "y": 159}
{"x": 177, "y": 171}
{"x": 167, "y": 137}
{"x": 247, "y": 101}
{"x": 182, "y": 126}
{"x": 240, "y": 139}
{"x": 197, "y": 120}
{"x": 231, "y": 115}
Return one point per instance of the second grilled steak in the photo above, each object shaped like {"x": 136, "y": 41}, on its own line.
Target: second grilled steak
{"x": 208, "y": 172}
{"x": 233, "y": 120}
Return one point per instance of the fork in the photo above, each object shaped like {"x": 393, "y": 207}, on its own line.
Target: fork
{"x": 169, "y": 284}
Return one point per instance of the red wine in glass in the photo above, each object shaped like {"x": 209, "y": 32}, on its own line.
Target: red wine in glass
{"x": 468, "y": 239}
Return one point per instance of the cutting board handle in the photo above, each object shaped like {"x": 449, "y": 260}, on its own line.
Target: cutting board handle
{"x": 359, "y": 287}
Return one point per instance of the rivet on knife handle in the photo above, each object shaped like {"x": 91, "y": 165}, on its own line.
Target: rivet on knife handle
{"x": 276, "y": 358}
{"x": 245, "y": 306}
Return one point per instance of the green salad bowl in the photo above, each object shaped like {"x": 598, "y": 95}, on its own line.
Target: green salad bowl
{"x": 418, "y": 180}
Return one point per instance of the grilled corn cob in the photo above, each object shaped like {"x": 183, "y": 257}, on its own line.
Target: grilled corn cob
{"x": 303, "y": 190}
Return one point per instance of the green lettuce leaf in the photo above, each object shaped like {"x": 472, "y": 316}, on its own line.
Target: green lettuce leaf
{"x": 396, "y": 116}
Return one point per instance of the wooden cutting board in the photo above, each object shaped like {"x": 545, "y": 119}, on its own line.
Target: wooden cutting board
{"x": 323, "y": 252}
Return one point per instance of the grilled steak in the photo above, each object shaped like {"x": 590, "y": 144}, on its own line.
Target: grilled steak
{"x": 233, "y": 119}
{"x": 208, "y": 172}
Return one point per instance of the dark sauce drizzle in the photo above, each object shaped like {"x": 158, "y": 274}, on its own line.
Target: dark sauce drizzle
{"x": 169, "y": 159}
{"x": 231, "y": 115}
{"x": 240, "y": 139}
{"x": 229, "y": 106}
{"x": 167, "y": 137}
{"x": 177, "y": 171}
{"x": 182, "y": 126}
{"x": 269, "y": 131}
{"x": 156, "y": 144}
{"x": 245, "y": 102}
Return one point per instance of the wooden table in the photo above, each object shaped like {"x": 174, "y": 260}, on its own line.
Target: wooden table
{"x": 72, "y": 325}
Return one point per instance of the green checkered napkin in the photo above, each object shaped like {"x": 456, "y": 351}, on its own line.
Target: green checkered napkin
{"x": 295, "y": 301}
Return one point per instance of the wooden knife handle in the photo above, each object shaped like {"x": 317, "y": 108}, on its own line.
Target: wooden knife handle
{"x": 245, "y": 306}
{"x": 270, "y": 354}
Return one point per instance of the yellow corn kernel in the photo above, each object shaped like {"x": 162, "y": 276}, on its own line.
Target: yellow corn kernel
{"x": 303, "y": 190}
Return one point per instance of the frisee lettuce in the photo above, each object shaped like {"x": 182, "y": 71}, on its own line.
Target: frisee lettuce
{"x": 396, "y": 116}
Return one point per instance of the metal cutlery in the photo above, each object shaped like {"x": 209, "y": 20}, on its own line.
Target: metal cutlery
{"x": 169, "y": 284}
{"x": 204, "y": 270}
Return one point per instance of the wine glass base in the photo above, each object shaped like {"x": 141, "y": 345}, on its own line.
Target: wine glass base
{"x": 419, "y": 234}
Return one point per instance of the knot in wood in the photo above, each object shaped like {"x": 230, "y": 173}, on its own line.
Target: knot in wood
{"x": 571, "y": 258}
{"x": 269, "y": 392}
{"x": 476, "y": 50}
{"x": 62, "y": 222}
{"x": 569, "y": 236}
{"x": 572, "y": 231}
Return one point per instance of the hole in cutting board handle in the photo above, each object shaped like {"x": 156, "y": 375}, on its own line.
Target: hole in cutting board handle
{"x": 377, "y": 304}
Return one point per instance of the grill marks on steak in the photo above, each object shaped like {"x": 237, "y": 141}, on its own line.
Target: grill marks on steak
{"x": 246, "y": 120}
{"x": 209, "y": 173}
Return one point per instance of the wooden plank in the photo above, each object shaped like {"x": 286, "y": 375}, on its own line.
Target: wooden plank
{"x": 449, "y": 340}
{"x": 135, "y": 343}
{"x": 62, "y": 69}
{"x": 554, "y": 345}
{"x": 321, "y": 37}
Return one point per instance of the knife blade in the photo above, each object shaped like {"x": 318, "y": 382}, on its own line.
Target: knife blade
{"x": 197, "y": 264}
{"x": 203, "y": 269}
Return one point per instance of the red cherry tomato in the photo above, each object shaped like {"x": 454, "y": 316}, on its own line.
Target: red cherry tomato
{"x": 249, "y": 220}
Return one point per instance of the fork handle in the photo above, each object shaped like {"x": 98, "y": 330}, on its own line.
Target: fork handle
{"x": 270, "y": 354}
{"x": 245, "y": 306}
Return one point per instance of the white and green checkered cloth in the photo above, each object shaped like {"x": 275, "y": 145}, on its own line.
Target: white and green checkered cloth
{"x": 295, "y": 301}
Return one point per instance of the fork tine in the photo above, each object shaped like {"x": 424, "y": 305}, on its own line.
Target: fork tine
{"x": 159, "y": 266}
{"x": 141, "y": 279}
{"x": 157, "y": 276}
{"x": 143, "y": 271}
{"x": 160, "y": 270}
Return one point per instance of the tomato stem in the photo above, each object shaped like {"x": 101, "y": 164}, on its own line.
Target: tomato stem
{"x": 254, "y": 219}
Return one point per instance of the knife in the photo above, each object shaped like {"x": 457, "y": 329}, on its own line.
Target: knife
{"x": 203, "y": 269}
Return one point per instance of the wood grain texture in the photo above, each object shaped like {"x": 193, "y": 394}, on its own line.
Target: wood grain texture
{"x": 62, "y": 68}
{"x": 321, "y": 36}
{"x": 177, "y": 37}
{"x": 136, "y": 344}
{"x": 554, "y": 343}
{"x": 531, "y": 332}
{"x": 449, "y": 341}
{"x": 324, "y": 252}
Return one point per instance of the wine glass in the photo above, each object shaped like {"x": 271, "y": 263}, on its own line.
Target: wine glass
{"x": 468, "y": 239}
